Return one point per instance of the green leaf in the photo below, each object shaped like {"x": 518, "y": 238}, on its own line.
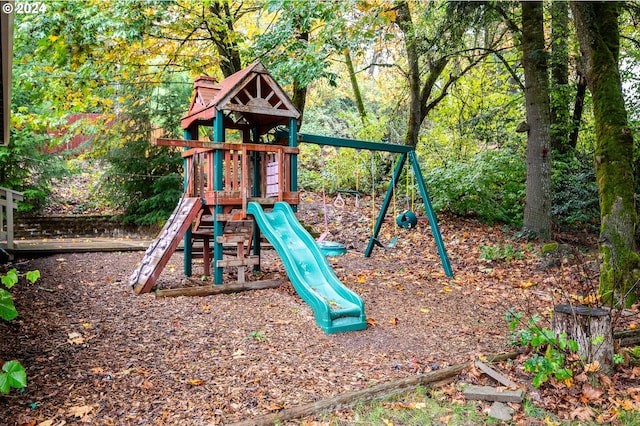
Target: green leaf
{"x": 7, "y": 308}
{"x": 32, "y": 276}
{"x": 563, "y": 374}
{"x": 14, "y": 375}
{"x": 573, "y": 345}
{"x": 10, "y": 278}
{"x": 4, "y": 383}
{"x": 539, "y": 379}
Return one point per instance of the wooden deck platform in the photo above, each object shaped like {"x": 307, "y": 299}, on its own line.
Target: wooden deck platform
{"x": 50, "y": 246}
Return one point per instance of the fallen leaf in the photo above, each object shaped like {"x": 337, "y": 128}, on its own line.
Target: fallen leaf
{"x": 80, "y": 410}
{"x": 371, "y": 322}
{"x": 425, "y": 310}
{"x": 387, "y": 422}
{"x": 592, "y": 367}
{"x": 196, "y": 382}
{"x": 582, "y": 413}
{"x": 393, "y": 321}
{"x": 273, "y": 407}
{"x": 75, "y": 338}
{"x": 626, "y": 404}
{"x": 46, "y": 422}
{"x": 590, "y": 393}
{"x": 527, "y": 284}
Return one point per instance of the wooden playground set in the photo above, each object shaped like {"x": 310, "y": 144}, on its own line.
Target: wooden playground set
{"x": 242, "y": 186}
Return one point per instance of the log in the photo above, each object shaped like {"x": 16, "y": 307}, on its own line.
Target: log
{"x": 585, "y": 324}
{"x": 208, "y": 290}
{"x": 383, "y": 390}
{"x": 627, "y": 338}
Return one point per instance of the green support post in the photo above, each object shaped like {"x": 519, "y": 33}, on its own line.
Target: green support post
{"x": 433, "y": 222}
{"x": 255, "y": 192}
{"x": 293, "y": 142}
{"x": 218, "y": 136}
{"x": 385, "y": 204}
{"x": 188, "y": 249}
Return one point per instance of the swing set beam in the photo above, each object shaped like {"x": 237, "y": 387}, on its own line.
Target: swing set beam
{"x": 405, "y": 152}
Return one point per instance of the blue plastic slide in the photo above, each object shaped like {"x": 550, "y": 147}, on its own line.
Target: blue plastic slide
{"x": 336, "y": 308}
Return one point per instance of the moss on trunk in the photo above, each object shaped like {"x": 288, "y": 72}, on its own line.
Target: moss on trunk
{"x": 597, "y": 25}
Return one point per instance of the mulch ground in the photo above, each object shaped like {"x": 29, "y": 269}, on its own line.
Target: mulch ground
{"x": 95, "y": 353}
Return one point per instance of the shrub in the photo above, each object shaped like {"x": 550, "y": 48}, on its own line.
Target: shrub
{"x": 491, "y": 186}
{"x": 575, "y": 192}
{"x": 25, "y": 168}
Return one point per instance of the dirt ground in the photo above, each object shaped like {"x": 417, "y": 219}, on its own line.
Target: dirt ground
{"x": 96, "y": 353}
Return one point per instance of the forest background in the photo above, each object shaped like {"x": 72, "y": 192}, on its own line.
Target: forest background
{"x": 445, "y": 77}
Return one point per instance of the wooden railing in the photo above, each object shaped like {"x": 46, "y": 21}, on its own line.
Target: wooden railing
{"x": 8, "y": 203}
{"x": 244, "y": 172}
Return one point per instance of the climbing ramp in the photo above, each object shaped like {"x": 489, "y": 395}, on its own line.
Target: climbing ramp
{"x": 336, "y": 308}
{"x": 159, "y": 252}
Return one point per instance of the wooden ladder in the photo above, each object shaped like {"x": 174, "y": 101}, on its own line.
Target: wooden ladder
{"x": 237, "y": 233}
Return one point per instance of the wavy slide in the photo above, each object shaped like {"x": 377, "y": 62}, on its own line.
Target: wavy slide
{"x": 336, "y": 308}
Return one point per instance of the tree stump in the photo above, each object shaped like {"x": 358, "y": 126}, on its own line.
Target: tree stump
{"x": 591, "y": 328}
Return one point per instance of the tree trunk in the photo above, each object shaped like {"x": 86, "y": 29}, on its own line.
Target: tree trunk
{"x": 404, "y": 21}
{"x": 537, "y": 210}
{"x": 226, "y": 44}
{"x": 354, "y": 85}
{"x": 578, "y": 107}
{"x": 597, "y": 29}
{"x": 299, "y": 96}
{"x": 560, "y": 89}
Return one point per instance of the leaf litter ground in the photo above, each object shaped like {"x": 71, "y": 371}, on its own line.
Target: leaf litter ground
{"x": 95, "y": 353}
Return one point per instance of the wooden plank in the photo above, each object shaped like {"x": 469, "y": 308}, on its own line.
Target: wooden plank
{"x": 495, "y": 375}
{"x": 217, "y": 289}
{"x": 252, "y": 109}
{"x": 232, "y": 238}
{"x": 193, "y": 151}
{"x": 488, "y": 393}
{"x": 383, "y": 390}
{"x": 228, "y": 263}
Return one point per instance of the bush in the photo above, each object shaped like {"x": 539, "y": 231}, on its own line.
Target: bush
{"x": 491, "y": 186}
{"x": 575, "y": 192}
{"x": 25, "y": 168}
{"x": 145, "y": 181}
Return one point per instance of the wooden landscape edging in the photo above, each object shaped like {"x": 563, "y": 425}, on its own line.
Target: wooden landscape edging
{"x": 208, "y": 290}
{"x": 380, "y": 391}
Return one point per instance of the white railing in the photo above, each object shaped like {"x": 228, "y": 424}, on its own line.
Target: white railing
{"x": 8, "y": 203}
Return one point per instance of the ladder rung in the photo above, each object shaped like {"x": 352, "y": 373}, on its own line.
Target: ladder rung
{"x": 249, "y": 261}
{"x": 232, "y": 238}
